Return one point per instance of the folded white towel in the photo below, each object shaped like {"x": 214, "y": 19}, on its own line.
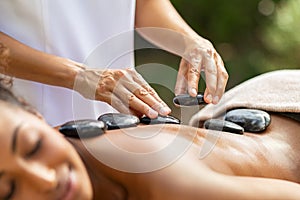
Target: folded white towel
{"x": 277, "y": 91}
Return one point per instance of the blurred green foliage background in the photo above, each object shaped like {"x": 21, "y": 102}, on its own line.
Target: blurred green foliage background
{"x": 252, "y": 36}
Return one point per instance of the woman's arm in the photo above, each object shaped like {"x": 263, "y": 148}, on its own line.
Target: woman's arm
{"x": 125, "y": 90}
{"x": 198, "y": 53}
{"x": 162, "y": 14}
{"x": 27, "y": 63}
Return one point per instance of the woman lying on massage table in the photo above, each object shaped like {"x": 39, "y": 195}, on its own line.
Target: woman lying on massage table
{"x": 37, "y": 162}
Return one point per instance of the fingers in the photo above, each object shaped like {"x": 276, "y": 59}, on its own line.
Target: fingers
{"x": 211, "y": 77}
{"x": 222, "y": 78}
{"x": 181, "y": 82}
{"x": 128, "y": 92}
{"x": 143, "y": 91}
{"x": 216, "y": 76}
{"x": 195, "y": 61}
{"x": 133, "y": 102}
{"x": 193, "y": 79}
{"x": 122, "y": 107}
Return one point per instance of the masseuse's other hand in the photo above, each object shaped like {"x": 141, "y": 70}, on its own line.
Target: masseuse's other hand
{"x": 125, "y": 90}
{"x": 200, "y": 55}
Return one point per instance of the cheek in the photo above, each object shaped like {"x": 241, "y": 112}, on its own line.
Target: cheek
{"x": 61, "y": 152}
{"x": 58, "y": 149}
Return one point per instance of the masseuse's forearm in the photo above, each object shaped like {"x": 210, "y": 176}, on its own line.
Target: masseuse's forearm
{"x": 161, "y": 14}
{"x": 27, "y": 63}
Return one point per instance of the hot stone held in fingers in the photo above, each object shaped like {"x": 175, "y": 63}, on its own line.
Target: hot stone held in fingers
{"x": 119, "y": 120}
{"x": 251, "y": 120}
{"x": 83, "y": 128}
{"x": 187, "y": 100}
{"x": 160, "y": 120}
{"x": 222, "y": 125}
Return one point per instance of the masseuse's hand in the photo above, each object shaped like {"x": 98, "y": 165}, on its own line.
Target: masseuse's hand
{"x": 125, "y": 90}
{"x": 200, "y": 55}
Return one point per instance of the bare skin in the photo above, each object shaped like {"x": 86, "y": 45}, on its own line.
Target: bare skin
{"x": 263, "y": 166}
{"x": 36, "y": 162}
{"x": 238, "y": 167}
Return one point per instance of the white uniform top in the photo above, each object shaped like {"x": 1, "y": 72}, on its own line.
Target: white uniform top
{"x": 70, "y": 29}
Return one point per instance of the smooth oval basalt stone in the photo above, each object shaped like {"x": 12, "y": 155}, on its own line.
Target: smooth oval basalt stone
{"x": 119, "y": 120}
{"x": 160, "y": 120}
{"x": 83, "y": 128}
{"x": 222, "y": 125}
{"x": 251, "y": 120}
{"x": 187, "y": 100}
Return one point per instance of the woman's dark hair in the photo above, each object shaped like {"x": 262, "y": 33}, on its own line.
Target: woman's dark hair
{"x": 7, "y": 95}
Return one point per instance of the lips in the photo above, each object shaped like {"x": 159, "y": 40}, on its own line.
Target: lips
{"x": 68, "y": 187}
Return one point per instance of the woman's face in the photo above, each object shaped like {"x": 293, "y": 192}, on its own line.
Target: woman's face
{"x": 36, "y": 162}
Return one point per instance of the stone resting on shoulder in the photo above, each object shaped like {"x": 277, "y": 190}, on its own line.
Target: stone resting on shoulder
{"x": 148, "y": 162}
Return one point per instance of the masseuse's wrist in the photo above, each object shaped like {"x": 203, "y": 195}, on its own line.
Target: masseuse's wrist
{"x": 70, "y": 73}
{"x": 86, "y": 82}
{"x": 196, "y": 40}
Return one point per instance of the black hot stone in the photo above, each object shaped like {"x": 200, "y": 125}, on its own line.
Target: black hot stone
{"x": 222, "y": 125}
{"x": 187, "y": 100}
{"x": 119, "y": 120}
{"x": 83, "y": 128}
{"x": 251, "y": 120}
{"x": 160, "y": 120}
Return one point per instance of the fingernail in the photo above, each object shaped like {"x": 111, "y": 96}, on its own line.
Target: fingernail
{"x": 209, "y": 98}
{"x": 165, "y": 111}
{"x": 193, "y": 92}
{"x": 216, "y": 100}
{"x": 152, "y": 113}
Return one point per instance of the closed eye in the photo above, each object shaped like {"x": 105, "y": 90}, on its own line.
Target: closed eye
{"x": 35, "y": 149}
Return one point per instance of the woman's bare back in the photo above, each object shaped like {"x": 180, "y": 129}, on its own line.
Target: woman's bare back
{"x": 273, "y": 153}
{"x": 209, "y": 155}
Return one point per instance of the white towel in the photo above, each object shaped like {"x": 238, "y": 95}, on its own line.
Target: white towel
{"x": 277, "y": 91}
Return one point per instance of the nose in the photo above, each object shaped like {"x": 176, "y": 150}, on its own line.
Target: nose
{"x": 40, "y": 177}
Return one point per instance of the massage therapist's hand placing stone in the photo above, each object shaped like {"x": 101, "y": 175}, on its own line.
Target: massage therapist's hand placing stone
{"x": 187, "y": 100}
{"x": 200, "y": 55}
{"x": 125, "y": 90}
